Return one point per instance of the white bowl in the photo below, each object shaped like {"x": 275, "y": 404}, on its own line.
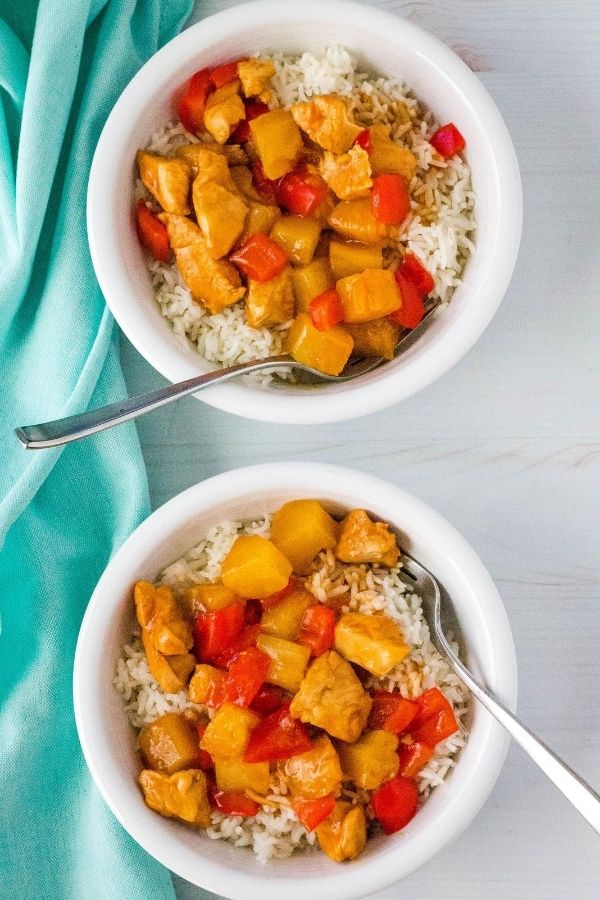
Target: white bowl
{"x": 384, "y": 43}
{"x": 108, "y": 740}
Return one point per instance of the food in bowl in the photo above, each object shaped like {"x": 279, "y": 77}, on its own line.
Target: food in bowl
{"x": 302, "y": 206}
{"x": 284, "y": 686}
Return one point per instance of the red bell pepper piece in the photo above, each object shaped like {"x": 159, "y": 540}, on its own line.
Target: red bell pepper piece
{"x": 317, "y": 630}
{"x": 391, "y": 712}
{"x": 413, "y": 757}
{"x": 268, "y": 699}
{"x": 221, "y": 75}
{"x": 206, "y": 761}
{"x": 326, "y": 310}
{"x": 395, "y": 803}
{"x": 448, "y": 140}
{"x": 312, "y": 812}
{"x": 191, "y": 106}
{"x": 390, "y": 199}
{"x": 246, "y": 638}
{"x": 152, "y": 233}
{"x": 265, "y": 186}
{"x": 214, "y": 632}
{"x": 435, "y": 720}
{"x": 254, "y": 109}
{"x": 414, "y": 271}
{"x": 245, "y": 677}
{"x": 413, "y": 309}
{"x": 274, "y": 599}
{"x": 260, "y": 257}
{"x": 278, "y": 736}
{"x": 216, "y": 691}
{"x": 301, "y": 191}
{"x": 364, "y": 140}
{"x": 232, "y": 803}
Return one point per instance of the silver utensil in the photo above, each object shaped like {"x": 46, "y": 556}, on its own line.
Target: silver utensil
{"x": 73, "y": 428}
{"x": 585, "y": 800}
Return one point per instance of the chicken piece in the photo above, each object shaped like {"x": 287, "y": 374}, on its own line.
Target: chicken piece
{"x": 388, "y": 157}
{"x": 202, "y": 682}
{"x": 255, "y": 75}
{"x": 172, "y": 673}
{"x": 371, "y": 760}
{"x": 158, "y": 613}
{"x": 315, "y": 773}
{"x": 373, "y": 642}
{"x": 221, "y": 214}
{"x": 179, "y": 796}
{"x": 208, "y": 165}
{"x": 169, "y": 744}
{"x": 270, "y": 302}
{"x": 181, "y": 231}
{"x": 224, "y": 109}
{"x": 348, "y": 175}
{"x": 327, "y": 121}
{"x": 332, "y": 698}
{"x": 361, "y": 540}
{"x": 343, "y": 834}
{"x": 168, "y": 180}
{"x": 260, "y": 219}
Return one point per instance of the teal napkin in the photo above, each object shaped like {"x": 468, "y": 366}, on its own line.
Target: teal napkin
{"x": 62, "y": 514}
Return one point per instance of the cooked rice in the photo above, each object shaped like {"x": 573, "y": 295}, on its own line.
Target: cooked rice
{"x": 439, "y": 234}
{"x": 275, "y": 831}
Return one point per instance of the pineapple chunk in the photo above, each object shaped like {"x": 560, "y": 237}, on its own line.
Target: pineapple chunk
{"x": 270, "y": 302}
{"x": 201, "y": 683}
{"x": 372, "y": 294}
{"x": 351, "y": 257}
{"x": 255, "y": 75}
{"x": 371, "y": 760}
{"x": 363, "y": 541}
{"x": 301, "y": 529}
{"x": 260, "y": 219}
{"x": 285, "y": 618}
{"x": 169, "y": 744}
{"x": 224, "y": 109}
{"x": 326, "y": 351}
{"x": 288, "y": 661}
{"x": 389, "y": 158}
{"x": 310, "y": 281}
{"x": 315, "y": 773}
{"x": 227, "y": 735}
{"x": 277, "y": 140}
{"x": 373, "y": 642}
{"x": 179, "y": 796}
{"x": 221, "y": 215}
{"x": 242, "y": 178}
{"x": 167, "y": 179}
{"x": 327, "y": 121}
{"x": 237, "y": 775}
{"x": 343, "y": 834}
{"x": 299, "y": 236}
{"x": 354, "y": 219}
{"x": 348, "y": 175}
{"x": 254, "y": 567}
{"x": 376, "y": 338}
{"x": 201, "y": 598}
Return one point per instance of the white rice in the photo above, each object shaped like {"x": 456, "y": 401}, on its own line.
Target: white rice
{"x": 439, "y": 233}
{"x": 275, "y": 831}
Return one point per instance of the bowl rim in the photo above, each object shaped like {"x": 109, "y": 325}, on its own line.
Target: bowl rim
{"x": 488, "y": 742}
{"x": 385, "y": 388}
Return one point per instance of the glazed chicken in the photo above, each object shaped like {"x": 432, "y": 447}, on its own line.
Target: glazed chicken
{"x": 348, "y": 175}
{"x": 166, "y": 636}
{"x": 255, "y": 76}
{"x": 327, "y": 121}
{"x": 343, "y": 835}
{"x": 168, "y": 180}
{"x": 363, "y": 541}
{"x": 179, "y": 796}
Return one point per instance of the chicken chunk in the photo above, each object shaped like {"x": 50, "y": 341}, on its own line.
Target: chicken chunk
{"x": 158, "y": 613}
{"x": 315, "y": 773}
{"x": 168, "y": 180}
{"x": 373, "y": 642}
{"x": 255, "y": 75}
{"x": 348, "y": 175}
{"x": 363, "y": 541}
{"x": 179, "y": 796}
{"x": 181, "y": 231}
{"x": 332, "y": 698}
{"x": 388, "y": 157}
{"x": 208, "y": 165}
{"x": 343, "y": 834}
{"x": 171, "y": 672}
{"x": 327, "y": 121}
{"x": 371, "y": 760}
{"x": 221, "y": 214}
{"x": 270, "y": 302}
{"x": 224, "y": 109}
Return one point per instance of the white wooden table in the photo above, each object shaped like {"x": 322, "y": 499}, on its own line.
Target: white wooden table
{"x": 507, "y": 445}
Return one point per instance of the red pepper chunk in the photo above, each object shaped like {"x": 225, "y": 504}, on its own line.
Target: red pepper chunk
{"x": 390, "y": 199}
{"x": 448, "y": 141}
{"x": 245, "y": 677}
{"x": 317, "y": 630}
{"x": 391, "y": 712}
{"x": 435, "y": 720}
{"x": 312, "y": 812}
{"x": 205, "y": 760}
{"x": 326, "y": 310}
{"x": 246, "y": 638}
{"x": 278, "y": 736}
{"x": 414, "y": 271}
{"x": 259, "y": 257}
{"x": 395, "y": 803}
{"x": 224, "y": 74}
{"x": 254, "y": 109}
{"x": 214, "y": 632}
{"x": 232, "y": 803}
{"x": 191, "y": 106}
{"x": 301, "y": 191}
{"x": 364, "y": 140}
{"x": 413, "y": 309}
{"x": 268, "y": 699}
{"x": 275, "y": 599}
{"x": 152, "y": 233}
{"x": 413, "y": 757}
{"x": 216, "y": 691}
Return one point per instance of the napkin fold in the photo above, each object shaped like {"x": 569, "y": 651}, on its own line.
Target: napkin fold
{"x": 62, "y": 513}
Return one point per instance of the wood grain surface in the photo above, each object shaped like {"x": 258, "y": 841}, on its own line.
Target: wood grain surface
{"x": 506, "y": 445}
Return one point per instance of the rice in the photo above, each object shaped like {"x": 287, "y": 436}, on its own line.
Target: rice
{"x": 439, "y": 233}
{"x": 275, "y": 832}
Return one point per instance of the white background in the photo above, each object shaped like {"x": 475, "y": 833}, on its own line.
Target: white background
{"x": 506, "y": 445}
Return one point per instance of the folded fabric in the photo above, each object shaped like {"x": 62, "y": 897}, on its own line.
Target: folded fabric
{"x": 62, "y": 514}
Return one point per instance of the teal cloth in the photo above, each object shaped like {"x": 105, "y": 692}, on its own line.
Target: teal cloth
{"x": 62, "y": 514}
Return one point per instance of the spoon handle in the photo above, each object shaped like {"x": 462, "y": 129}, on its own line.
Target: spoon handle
{"x": 585, "y": 800}
{"x": 73, "y": 428}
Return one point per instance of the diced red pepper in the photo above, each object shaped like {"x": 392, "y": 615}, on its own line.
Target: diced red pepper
{"x": 268, "y": 699}
{"x": 253, "y": 612}
{"x": 312, "y": 812}
{"x": 278, "y": 736}
{"x": 206, "y": 761}
{"x": 259, "y": 257}
{"x": 326, "y": 310}
{"x": 413, "y": 309}
{"x": 413, "y": 757}
{"x": 246, "y": 638}
{"x": 215, "y": 632}
{"x": 301, "y": 191}
{"x": 245, "y": 677}
{"x": 412, "y": 269}
{"x": 317, "y": 630}
{"x": 364, "y": 140}
{"x": 232, "y": 803}
{"x": 224, "y": 74}
{"x": 265, "y": 186}
{"x": 152, "y": 233}
{"x": 391, "y": 712}
{"x": 254, "y": 109}
{"x": 275, "y": 599}
{"x": 395, "y": 803}
{"x": 435, "y": 720}
{"x": 191, "y": 105}
{"x": 390, "y": 199}
{"x": 448, "y": 140}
